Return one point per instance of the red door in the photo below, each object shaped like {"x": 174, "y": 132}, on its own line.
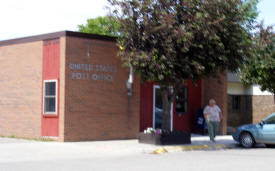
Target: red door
{"x": 185, "y": 121}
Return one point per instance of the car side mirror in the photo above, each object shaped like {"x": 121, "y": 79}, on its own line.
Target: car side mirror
{"x": 262, "y": 123}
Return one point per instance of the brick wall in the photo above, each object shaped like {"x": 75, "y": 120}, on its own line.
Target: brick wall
{"x": 62, "y": 88}
{"x": 216, "y": 88}
{"x": 262, "y": 106}
{"x": 98, "y": 109}
{"x": 20, "y": 89}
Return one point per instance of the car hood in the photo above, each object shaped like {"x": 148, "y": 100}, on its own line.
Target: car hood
{"x": 248, "y": 126}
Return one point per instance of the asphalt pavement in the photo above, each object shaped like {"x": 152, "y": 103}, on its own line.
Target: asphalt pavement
{"x": 129, "y": 155}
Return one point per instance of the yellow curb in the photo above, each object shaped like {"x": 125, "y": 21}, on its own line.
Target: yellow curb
{"x": 187, "y": 148}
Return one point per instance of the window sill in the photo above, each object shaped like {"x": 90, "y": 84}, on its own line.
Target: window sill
{"x": 50, "y": 115}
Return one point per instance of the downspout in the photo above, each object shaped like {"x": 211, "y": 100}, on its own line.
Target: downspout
{"x": 129, "y": 86}
{"x": 130, "y": 81}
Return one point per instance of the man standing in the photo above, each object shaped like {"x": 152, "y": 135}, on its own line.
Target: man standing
{"x": 213, "y": 115}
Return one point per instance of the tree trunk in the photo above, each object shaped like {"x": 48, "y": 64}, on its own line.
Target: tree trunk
{"x": 166, "y": 105}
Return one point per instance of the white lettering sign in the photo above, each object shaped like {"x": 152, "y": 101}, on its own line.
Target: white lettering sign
{"x": 92, "y": 72}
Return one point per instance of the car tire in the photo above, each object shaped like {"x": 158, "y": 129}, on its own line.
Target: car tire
{"x": 270, "y": 145}
{"x": 246, "y": 140}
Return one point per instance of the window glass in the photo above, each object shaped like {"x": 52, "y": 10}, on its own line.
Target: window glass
{"x": 181, "y": 105}
{"x": 270, "y": 120}
{"x": 158, "y": 109}
{"x": 50, "y": 104}
{"x": 236, "y": 102}
{"x": 50, "y": 88}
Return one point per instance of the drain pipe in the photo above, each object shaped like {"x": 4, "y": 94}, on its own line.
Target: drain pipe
{"x": 130, "y": 81}
{"x": 129, "y": 86}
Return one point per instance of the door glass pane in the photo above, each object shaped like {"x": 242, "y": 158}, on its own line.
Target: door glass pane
{"x": 158, "y": 109}
{"x": 182, "y": 101}
{"x": 50, "y": 88}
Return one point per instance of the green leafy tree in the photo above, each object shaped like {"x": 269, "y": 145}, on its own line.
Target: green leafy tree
{"x": 100, "y": 25}
{"x": 170, "y": 41}
{"x": 251, "y": 12}
{"x": 260, "y": 69}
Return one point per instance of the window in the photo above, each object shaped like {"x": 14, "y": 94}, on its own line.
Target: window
{"x": 50, "y": 97}
{"x": 181, "y": 105}
{"x": 236, "y": 102}
{"x": 270, "y": 120}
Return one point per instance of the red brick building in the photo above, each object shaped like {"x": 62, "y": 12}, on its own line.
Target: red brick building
{"x": 72, "y": 86}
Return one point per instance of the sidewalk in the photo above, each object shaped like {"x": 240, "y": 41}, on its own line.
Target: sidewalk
{"x": 199, "y": 142}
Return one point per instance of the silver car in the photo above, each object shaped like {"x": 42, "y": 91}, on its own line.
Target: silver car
{"x": 262, "y": 133}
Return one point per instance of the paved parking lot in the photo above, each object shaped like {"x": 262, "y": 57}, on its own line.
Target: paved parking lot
{"x": 14, "y": 140}
{"x": 127, "y": 155}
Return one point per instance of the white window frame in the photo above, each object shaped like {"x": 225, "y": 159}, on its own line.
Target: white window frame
{"x": 56, "y": 97}
{"x": 171, "y": 111}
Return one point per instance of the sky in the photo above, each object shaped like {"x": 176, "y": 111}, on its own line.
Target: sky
{"x": 21, "y": 18}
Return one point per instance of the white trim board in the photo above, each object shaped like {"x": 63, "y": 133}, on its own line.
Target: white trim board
{"x": 240, "y": 89}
